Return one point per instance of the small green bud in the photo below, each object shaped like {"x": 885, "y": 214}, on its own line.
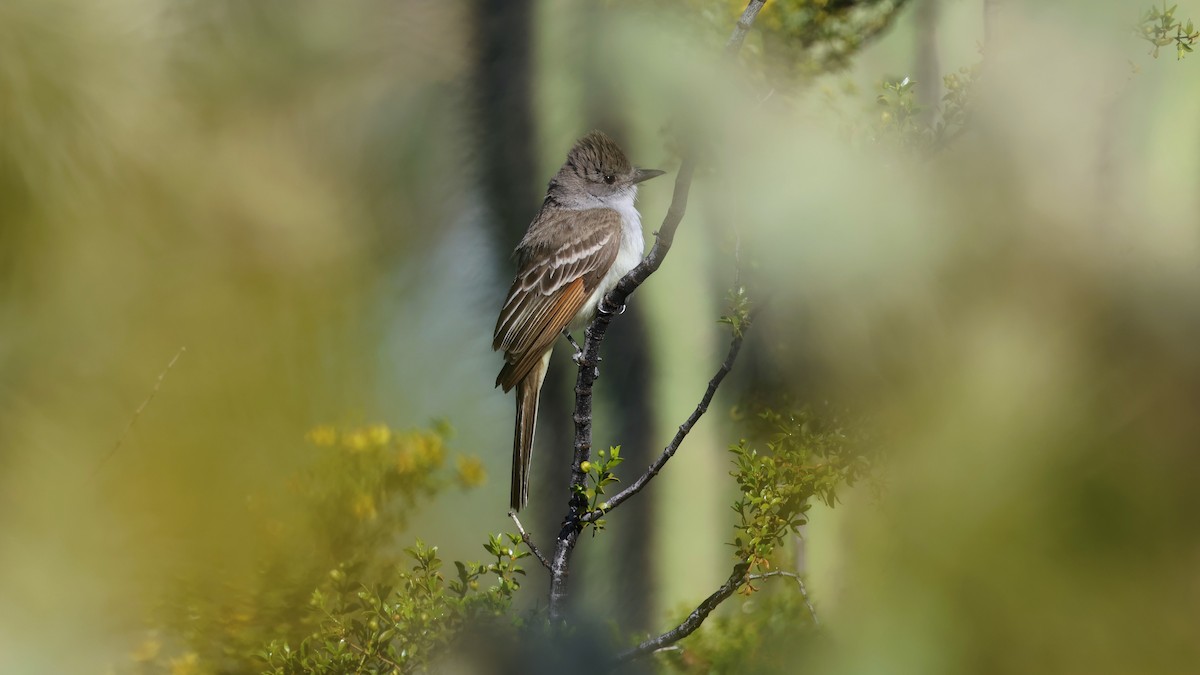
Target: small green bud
{"x": 585, "y": 466}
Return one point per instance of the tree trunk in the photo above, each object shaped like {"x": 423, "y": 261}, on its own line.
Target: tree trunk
{"x": 504, "y": 116}
{"x": 928, "y": 67}
{"x": 628, "y": 393}
{"x": 512, "y": 186}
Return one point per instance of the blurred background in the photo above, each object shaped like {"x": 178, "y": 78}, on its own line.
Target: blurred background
{"x": 238, "y": 237}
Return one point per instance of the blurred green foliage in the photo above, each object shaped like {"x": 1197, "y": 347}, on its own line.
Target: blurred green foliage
{"x": 738, "y": 316}
{"x": 401, "y": 624}
{"x": 329, "y": 573}
{"x": 901, "y": 123}
{"x": 333, "y": 587}
{"x": 795, "y": 459}
{"x": 802, "y": 39}
{"x": 1160, "y": 28}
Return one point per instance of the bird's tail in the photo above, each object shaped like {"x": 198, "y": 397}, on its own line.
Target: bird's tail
{"x": 528, "y": 391}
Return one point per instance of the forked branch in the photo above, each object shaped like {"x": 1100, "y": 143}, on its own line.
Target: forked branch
{"x": 693, "y": 620}
{"x": 668, "y": 452}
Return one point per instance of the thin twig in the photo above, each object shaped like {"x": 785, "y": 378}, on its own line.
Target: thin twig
{"x": 367, "y": 654}
{"x": 693, "y": 620}
{"x": 668, "y": 452}
{"x": 138, "y": 412}
{"x": 799, "y": 582}
{"x": 343, "y": 632}
{"x": 529, "y": 540}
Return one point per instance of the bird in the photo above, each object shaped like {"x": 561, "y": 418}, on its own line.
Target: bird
{"x": 586, "y": 236}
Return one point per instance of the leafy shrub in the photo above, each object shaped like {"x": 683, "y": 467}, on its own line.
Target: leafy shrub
{"x": 331, "y": 591}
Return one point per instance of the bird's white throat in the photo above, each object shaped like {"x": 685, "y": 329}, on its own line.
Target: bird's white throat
{"x": 633, "y": 245}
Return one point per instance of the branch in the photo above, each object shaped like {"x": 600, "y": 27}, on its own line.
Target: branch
{"x": 612, "y": 303}
{"x": 693, "y": 620}
{"x": 799, "y": 582}
{"x": 138, "y": 413}
{"x": 366, "y": 655}
{"x": 529, "y": 540}
{"x": 668, "y": 452}
{"x": 609, "y": 307}
{"x": 734, "y": 45}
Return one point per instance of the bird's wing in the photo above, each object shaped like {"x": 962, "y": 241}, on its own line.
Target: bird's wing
{"x": 557, "y": 275}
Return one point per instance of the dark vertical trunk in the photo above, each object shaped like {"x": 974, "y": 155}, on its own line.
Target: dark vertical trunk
{"x": 628, "y": 393}
{"x": 992, "y": 11}
{"x": 928, "y": 67}
{"x": 504, "y": 116}
{"x": 631, "y": 398}
{"x": 512, "y": 185}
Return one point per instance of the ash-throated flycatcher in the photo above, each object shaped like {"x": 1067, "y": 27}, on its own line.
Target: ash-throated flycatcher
{"x": 586, "y": 237}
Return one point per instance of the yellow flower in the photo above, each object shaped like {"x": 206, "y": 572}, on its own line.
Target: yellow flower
{"x": 364, "y": 507}
{"x": 406, "y": 462}
{"x": 356, "y": 441}
{"x": 188, "y": 664}
{"x": 470, "y": 471}
{"x": 430, "y": 450}
{"x": 379, "y": 434}
{"x": 323, "y": 436}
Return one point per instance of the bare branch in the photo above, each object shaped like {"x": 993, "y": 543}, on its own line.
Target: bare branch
{"x": 734, "y": 45}
{"x": 529, "y": 540}
{"x": 668, "y": 452}
{"x": 138, "y": 412}
{"x": 613, "y": 302}
{"x": 672, "y": 648}
{"x": 799, "y": 582}
{"x": 693, "y": 620}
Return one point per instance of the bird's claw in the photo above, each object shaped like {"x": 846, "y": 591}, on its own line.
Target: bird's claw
{"x": 601, "y": 309}
{"x": 580, "y": 361}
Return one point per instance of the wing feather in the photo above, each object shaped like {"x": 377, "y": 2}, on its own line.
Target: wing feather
{"x": 520, "y": 363}
{"x": 560, "y": 265}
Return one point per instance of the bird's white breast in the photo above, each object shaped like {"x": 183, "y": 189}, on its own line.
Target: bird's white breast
{"x": 628, "y": 255}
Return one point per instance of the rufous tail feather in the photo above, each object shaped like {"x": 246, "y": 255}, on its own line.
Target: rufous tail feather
{"x": 528, "y": 390}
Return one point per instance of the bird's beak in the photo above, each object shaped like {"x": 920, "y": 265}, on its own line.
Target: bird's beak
{"x": 640, "y": 175}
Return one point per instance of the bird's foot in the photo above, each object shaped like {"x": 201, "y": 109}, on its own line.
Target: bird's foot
{"x": 602, "y": 309}
{"x": 581, "y": 361}
{"x": 578, "y": 350}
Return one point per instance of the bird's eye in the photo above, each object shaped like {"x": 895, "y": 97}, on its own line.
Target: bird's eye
{"x": 610, "y": 179}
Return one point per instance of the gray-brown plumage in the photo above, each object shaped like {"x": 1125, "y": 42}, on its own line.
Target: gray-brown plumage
{"x": 585, "y": 238}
